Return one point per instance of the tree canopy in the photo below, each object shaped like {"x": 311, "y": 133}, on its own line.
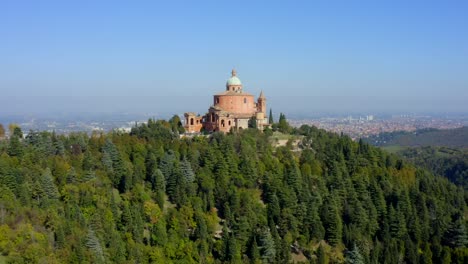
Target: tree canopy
{"x": 151, "y": 196}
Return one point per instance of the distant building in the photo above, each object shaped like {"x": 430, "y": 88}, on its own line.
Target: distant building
{"x": 232, "y": 108}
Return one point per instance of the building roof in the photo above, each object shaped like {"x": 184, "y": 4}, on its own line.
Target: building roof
{"x": 262, "y": 96}
{"x": 234, "y": 80}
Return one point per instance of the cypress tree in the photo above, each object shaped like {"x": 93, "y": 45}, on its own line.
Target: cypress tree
{"x": 270, "y": 118}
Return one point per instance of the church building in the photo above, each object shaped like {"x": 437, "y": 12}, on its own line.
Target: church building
{"x": 232, "y": 108}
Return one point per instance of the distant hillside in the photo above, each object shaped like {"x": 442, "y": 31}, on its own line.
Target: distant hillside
{"x": 457, "y": 138}
{"x": 449, "y": 162}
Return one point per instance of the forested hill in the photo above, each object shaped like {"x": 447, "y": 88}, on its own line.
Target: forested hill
{"x": 457, "y": 138}
{"x": 151, "y": 197}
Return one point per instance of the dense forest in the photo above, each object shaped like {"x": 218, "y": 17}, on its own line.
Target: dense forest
{"x": 454, "y": 138}
{"x": 449, "y": 162}
{"x": 151, "y": 196}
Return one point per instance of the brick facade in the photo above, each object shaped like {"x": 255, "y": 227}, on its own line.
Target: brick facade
{"x": 231, "y": 109}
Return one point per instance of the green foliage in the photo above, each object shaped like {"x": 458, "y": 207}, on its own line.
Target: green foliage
{"x": 270, "y": 118}
{"x": 283, "y": 125}
{"x": 252, "y": 122}
{"x": 268, "y": 248}
{"x": 92, "y": 242}
{"x": 354, "y": 256}
{"x": 176, "y": 125}
{"x": 48, "y": 185}
{"x": 152, "y": 197}
{"x": 451, "y": 163}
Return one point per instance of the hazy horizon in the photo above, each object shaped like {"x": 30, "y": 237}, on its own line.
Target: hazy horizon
{"x": 150, "y": 57}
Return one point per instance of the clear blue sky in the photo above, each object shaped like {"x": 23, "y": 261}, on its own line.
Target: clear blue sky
{"x": 313, "y": 55}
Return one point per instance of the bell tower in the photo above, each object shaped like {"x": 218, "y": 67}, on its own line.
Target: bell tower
{"x": 261, "y": 103}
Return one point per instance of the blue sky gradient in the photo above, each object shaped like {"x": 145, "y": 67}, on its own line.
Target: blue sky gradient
{"x": 305, "y": 55}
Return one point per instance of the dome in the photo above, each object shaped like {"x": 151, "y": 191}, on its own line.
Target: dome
{"x": 234, "y": 80}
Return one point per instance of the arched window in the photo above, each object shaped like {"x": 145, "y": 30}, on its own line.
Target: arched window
{"x": 245, "y": 100}
{"x": 222, "y": 122}
{"x": 229, "y": 123}
{"x": 217, "y": 100}
{"x": 191, "y": 121}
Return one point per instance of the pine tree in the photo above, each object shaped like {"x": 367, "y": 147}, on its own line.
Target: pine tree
{"x": 159, "y": 234}
{"x": 426, "y": 257}
{"x": 113, "y": 161}
{"x": 16, "y": 131}
{"x": 283, "y": 125}
{"x": 354, "y": 256}
{"x": 268, "y": 249}
{"x": 254, "y": 250}
{"x": 456, "y": 235}
{"x": 159, "y": 186}
{"x": 270, "y": 118}
{"x": 92, "y": 242}
{"x": 89, "y": 175}
{"x": 332, "y": 221}
{"x": 71, "y": 176}
{"x": 166, "y": 164}
{"x": 187, "y": 172}
{"x": 322, "y": 257}
{"x": 89, "y": 162}
{"x": 59, "y": 147}
{"x": 314, "y": 223}
{"x": 15, "y": 148}
{"x": 48, "y": 185}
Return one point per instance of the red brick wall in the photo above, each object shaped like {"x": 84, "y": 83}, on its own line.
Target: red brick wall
{"x": 238, "y": 104}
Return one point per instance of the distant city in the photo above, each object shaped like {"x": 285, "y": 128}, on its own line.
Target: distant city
{"x": 356, "y": 126}
{"x": 364, "y": 126}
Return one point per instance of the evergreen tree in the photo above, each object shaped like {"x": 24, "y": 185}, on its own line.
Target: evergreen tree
{"x": 89, "y": 175}
{"x": 270, "y": 118}
{"x": 456, "y": 235}
{"x": 268, "y": 248}
{"x": 283, "y": 125}
{"x": 426, "y": 257}
{"x": 354, "y": 256}
{"x": 322, "y": 257}
{"x": 48, "y": 185}
{"x": 332, "y": 221}
{"x": 92, "y": 242}
{"x": 187, "y": 172}
{"x": 15, "y": 131}
{"x": 159, "y": 186}
{"x": 15, "y": 148}
{"x": 71, "y": 176}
